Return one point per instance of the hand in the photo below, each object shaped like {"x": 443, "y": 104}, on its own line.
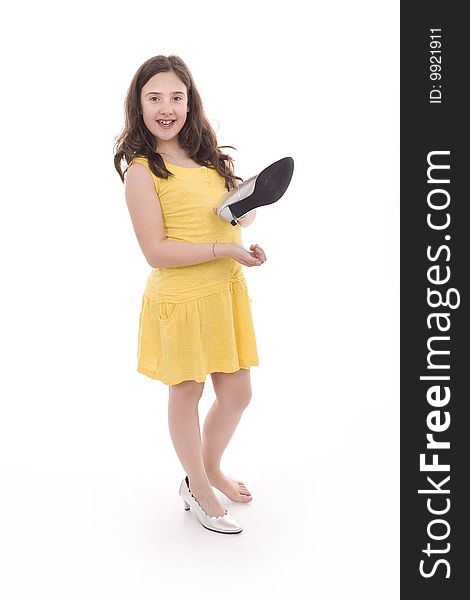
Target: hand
{"x": 258, "y": 252}
{"x": 252, "y": 258}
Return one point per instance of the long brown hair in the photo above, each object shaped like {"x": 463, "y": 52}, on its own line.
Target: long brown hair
{"x": 196, "y": 137}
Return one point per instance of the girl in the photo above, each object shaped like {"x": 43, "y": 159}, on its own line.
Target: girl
{"x": 196, "y": 311}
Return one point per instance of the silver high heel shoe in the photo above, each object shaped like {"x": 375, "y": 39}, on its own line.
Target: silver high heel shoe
{"x": 265, "y": 188}
{"x": 223, "y": 524}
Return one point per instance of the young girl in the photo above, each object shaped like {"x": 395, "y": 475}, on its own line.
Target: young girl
{"x": 196, "y": 311}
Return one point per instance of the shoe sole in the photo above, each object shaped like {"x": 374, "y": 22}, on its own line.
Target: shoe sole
{"x": 270, "y": 185}
{"x": 217, "y": 531}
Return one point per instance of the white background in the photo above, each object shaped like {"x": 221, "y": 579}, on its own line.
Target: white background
{"x": 90, "y": 507}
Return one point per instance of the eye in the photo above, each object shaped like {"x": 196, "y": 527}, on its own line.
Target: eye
{"x": 178, "y": 97}
{"x": 153, "y": 98}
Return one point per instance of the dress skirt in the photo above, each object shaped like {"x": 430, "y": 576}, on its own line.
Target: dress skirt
{"x": 208, "y": 329}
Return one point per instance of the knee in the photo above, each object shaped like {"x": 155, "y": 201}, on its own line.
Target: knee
{"x": 239, "y": 400}
{"x": 246, "y": 398}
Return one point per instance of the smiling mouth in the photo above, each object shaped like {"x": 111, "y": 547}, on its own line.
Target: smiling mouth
{"x": 166, "y": 123}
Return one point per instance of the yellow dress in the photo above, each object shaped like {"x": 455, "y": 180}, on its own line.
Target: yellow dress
{"x": 195, "y": 319}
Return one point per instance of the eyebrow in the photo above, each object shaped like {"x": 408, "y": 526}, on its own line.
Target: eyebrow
{"x": 159, "y": 93}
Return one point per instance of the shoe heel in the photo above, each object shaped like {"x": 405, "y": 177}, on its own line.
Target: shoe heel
{"x": 186, "y": 505}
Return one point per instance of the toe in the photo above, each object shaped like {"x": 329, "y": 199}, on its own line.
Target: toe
{"x": 244, "y": 491}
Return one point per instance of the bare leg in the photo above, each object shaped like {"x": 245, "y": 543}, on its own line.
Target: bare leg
{"x": 183, "y": 422}
{"x": 233, "y": 392}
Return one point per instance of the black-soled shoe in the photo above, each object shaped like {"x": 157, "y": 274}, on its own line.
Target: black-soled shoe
{"x": 264, "y": 188}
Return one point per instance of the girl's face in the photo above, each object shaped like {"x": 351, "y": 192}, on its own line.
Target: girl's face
{"x": 164, "y": 98}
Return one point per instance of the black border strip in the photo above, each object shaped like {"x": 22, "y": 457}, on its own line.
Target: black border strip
{"x": 434, "y": 264}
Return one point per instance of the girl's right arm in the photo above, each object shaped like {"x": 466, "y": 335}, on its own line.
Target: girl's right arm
{"x": 146, "y": 215}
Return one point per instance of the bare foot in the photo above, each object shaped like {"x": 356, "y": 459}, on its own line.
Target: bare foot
{"x": 233, "y": 489}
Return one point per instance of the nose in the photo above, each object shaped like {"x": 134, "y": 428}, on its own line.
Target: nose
{"x": 165, "y": 109}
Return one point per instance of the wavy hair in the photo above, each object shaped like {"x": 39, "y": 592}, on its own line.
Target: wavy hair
{"x": 196, "y": 137}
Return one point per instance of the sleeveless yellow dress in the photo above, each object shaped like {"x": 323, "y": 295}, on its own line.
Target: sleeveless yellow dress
{"x": 195, "y": 319}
